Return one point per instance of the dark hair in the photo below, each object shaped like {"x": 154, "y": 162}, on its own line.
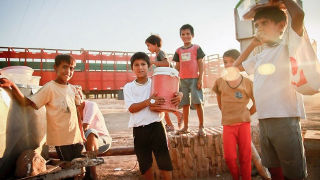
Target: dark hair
{"x": 273, "y": 13}
{"x": 233, "y": 53}
{"x": 63, "y": 58}
{"x": 140, "y": 55}
{"x": 187, "y": 26}
{"x": 155, "y": 40}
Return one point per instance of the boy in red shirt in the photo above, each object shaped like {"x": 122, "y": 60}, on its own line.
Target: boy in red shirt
{"x": 189, "y": 63}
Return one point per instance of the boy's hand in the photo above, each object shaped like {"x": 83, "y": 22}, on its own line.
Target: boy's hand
{"x": 200, "y": 82}
{"x": 83, "y": 138}
{"x": 177, "y": 97}
{"x": 257, "y": 40}
{"x": 158, "y": 101}
{"x": 5, "y": 83}
{"x": 85, "y": 127}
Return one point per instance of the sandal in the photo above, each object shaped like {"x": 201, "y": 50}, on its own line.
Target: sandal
{"x": 182, "y": 131}
{"x": 169, "y": 128}
{"x": 201, "y": 132}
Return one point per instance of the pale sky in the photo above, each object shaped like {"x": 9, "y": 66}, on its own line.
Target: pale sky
{"x": 124, "y": 25}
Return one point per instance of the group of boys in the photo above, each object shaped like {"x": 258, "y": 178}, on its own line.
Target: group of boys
{"x": 275, "y": 99}
{"x": 278, "y": 105}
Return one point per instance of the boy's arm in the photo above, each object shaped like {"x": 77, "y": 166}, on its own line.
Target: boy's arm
{"x": 200, "y": 79}
{"x": 5, "y": 83}
{"x": 244, "y": 55}
{"x": 162, "y": 63}
{"x": 296, "y": 14}
{"x": 219, "y": 100}
{"x": 177, "y": 66}
{"x": 253, "y": 107}
{"x": 136, "y": 107}
{"x": 81, "y": 126}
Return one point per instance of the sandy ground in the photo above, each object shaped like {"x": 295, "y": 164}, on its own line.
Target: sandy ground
{"x": 126, "y": 167}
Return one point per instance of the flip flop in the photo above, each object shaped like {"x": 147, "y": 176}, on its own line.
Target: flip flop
{"x": 169, "y": 128}
{"x": 103, "y": 148}
{"x": 201, "y": 132}
{"x": 182, "y": 131}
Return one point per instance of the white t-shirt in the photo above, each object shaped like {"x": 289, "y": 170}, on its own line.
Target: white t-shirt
{"x": 93, "y": 116}
{"x": 274, "y": 94}
{"x": 135, "y": 93}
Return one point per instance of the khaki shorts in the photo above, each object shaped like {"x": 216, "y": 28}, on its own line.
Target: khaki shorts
{"x": 104, "y": 142}
{"x": 281, "y": 146}
{"x": 189, "y": 87}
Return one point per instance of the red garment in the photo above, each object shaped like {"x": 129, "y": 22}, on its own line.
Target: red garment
{"x": 188, "y": 62}
{"x": 240, "y": 135}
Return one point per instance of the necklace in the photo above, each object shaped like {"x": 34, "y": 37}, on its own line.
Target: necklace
{"x": 139, "y": 84}
{"x": 237, "y": 85}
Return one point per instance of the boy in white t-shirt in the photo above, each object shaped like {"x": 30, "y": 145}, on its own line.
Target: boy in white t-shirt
{"x": 148, "y": 131}
{"x": 279, "y": 106}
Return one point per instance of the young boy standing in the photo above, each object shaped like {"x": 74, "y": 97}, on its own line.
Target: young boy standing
{"x": 279, "y": 106}
{"x": 189, "y": 63}
{"x": 154, "y": 44}
{"x": 233, "y": 94}
{"x": 148, "y": 131}
{"x": 64, "y": 131}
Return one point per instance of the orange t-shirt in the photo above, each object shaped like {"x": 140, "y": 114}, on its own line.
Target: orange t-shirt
{"x": 234, "y": 100}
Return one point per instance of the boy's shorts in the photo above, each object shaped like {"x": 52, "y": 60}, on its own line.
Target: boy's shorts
{"x": 104, "y": 142}
{"x": 188, "y": 86}
{"x": 148, "y": 139}
{"x": 69, "y": 152}
{"x": 281, "y": 146}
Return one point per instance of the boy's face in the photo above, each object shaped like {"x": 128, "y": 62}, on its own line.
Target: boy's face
{"x": 140, "y": 68}
{"x": 186, "y": 36}
{"x": 152, "y": 47}
{"x": 228, "y": 61}
{"x": 268, "y": 30}
{"x": 65, "y": 71}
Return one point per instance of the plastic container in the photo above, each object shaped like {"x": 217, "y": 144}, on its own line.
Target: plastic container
{"x": 21, "y": 128}
{"x": 165, "y": 82}
{"x": 18, "y": 74}
{"x": 34, "y": 81}
{"x": 248, "y": 8}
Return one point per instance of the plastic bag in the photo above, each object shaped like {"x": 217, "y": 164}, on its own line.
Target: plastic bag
{"x": 305, "y": 66}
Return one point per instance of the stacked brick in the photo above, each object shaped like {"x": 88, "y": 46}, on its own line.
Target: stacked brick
{"x": 194, "y": 156}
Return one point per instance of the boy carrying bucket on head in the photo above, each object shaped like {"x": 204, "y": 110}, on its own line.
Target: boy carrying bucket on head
{"x": 233, "y": 94}
{"x": 60, "y": 98}
{"x": 148, "y": 131}
{"x": 279, "y": 106}
{"x": 189, "y": 63}
{"x": 154, "y": 44}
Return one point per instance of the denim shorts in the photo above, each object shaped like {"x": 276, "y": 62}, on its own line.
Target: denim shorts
{"x": 281, "y": 146}
{"x": 104, "y": 142}
{"x": 189, "y": 87}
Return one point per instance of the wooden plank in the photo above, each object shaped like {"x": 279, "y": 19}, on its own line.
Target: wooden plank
{"x": 312, "y": 135}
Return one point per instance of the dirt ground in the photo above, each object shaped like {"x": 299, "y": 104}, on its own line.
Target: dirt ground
{"x": 126, "y": 167}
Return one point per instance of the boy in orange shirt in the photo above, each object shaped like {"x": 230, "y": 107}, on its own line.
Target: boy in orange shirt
{"x": 233, "y": 94}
